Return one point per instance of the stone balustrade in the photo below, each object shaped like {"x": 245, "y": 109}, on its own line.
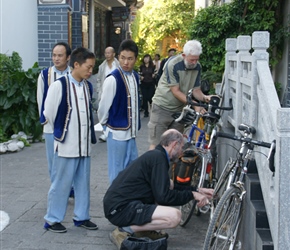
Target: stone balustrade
{"x": 248, "y": 84}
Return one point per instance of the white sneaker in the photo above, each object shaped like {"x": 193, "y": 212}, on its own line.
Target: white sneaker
{"x": 103, "y": 138}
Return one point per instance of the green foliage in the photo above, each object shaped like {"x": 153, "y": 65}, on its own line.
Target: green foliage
{"x": 213, "y": 25}
{"x": 18, "y": 105}
{"x": 158, "y": 19}
{"x": 278, "y": 87}
{"x": 26, "y": 142}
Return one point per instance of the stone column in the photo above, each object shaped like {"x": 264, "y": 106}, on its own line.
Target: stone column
{"x": 230, "y": 69}
{"x": 260, "y": 44}
{"x": 241, "y": 107}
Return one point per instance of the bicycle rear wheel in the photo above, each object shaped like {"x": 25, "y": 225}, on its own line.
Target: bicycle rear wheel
{"x": 222, "y": 229}
{"x": 187, "y": 209}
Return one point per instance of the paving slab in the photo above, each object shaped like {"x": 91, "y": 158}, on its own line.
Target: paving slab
{"x": 24, "y": 184}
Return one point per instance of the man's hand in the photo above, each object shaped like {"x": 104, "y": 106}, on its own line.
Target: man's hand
{"x": 201, "y": 198}
{"x": 200, "y": 110}
{"x": 208, "y": 192}
{"x": 206, "y": 98}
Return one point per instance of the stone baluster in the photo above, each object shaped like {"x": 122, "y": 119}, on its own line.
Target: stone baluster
{"x": 260, "y": 44}
{"x": 241, "y": 108}
{"x": 231, "y": 50}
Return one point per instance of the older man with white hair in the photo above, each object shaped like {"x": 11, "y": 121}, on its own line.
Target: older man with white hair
{"x": 180, "y": 74}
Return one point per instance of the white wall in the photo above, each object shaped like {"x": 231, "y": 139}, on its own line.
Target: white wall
{"x": 18, "y": 29}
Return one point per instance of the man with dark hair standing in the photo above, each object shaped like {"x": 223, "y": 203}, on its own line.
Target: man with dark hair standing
{"x": 60, "y": 56}
{"x": 140, "y": 199}
{"x": 68, "y": 110}
{"x": 171, "y": 52}
{"x": 119, "y": 110}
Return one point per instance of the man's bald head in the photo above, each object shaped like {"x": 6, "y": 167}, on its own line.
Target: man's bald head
{"x": 109, "y": 54}
{"x": 169, "y": 136}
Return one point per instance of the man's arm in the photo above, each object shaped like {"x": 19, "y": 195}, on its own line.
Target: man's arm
{"x": 40, "y": 91}
{"x": 99, "y": 80}
{"x": 108, "y": 94}
{"x": 178, "y": 94}
{"x": 52, "y": 102}
{"x": 197, "y": 93}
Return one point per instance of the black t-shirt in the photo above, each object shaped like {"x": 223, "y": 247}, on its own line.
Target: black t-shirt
{"x": 147, "y": 73}
{"x": 146, "y": 179}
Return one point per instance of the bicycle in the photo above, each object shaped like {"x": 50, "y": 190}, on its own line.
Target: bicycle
{"x": 224, "y": 224}
{"x": 196, "y": 150}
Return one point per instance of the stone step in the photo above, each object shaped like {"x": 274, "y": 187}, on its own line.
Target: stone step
{"x": 255, "y": 226}
{"x": 264, "y": 239}
{"x": 253, "y": 186}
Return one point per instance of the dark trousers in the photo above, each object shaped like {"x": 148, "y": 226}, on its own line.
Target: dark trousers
{"x": 148, "y": 90}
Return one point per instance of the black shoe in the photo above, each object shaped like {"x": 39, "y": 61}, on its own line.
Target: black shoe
{"x": 56, "y": 228}
{"x": 146, "y": 115}
{"x": 87, "y": 224}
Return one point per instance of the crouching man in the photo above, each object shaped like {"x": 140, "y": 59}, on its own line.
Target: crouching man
{"x": 139, "y": 199}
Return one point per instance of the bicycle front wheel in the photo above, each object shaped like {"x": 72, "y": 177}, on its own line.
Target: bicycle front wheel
{"x": 222, "y": 229}
{"x": 187, "y": 209}
{"x": 224, "y": 181}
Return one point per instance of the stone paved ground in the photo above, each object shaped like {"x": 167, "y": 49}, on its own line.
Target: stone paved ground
{"x": 24, "y": 184}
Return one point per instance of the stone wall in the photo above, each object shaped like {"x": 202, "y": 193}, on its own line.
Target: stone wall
{"x": 249, "y": 86}
{"x": 53, "y": 27}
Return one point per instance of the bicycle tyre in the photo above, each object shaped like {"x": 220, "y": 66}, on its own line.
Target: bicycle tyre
{"x": 187, "y": 209}
{"x": 186, "y": 133}
{"x": 223, "y": 227}
{"x": 223, "y": 180}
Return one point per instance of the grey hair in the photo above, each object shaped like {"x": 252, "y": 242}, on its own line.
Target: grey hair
{"x": 169, "y": 136}
{"x": 192, "y": 47}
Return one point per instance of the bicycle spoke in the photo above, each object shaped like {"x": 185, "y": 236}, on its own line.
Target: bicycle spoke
{"x": 188, "y": 209}
{"x": 223, "y": 227}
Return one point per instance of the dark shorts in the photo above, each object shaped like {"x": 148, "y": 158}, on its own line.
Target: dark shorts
{"x": 134, "y": 213}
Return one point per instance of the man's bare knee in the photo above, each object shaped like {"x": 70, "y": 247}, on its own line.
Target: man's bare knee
{"x": 174, "y": 218}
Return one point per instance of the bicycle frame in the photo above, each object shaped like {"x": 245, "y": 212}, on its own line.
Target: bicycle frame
{"x": 205, "y": 170}
{"x": 201, "y": 146}
{"x": 225, "y": 220}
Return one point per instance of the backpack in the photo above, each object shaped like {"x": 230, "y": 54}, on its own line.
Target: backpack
{"x": 182, "y": 170}
{"x": 133, "y": 243}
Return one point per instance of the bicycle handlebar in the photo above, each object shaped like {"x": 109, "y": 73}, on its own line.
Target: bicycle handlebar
{"x": 244, "y": 139}
{"x": 184, "y": 110}
{"x": 248, "y": 140}
{"x": 207, "y": 105}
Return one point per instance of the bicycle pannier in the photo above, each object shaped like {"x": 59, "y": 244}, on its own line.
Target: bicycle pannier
{"x": 183, "y": 169}
{"x": 132, "y": 243}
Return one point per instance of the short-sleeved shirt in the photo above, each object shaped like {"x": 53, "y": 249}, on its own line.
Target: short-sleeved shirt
{"x": 175, "y": 73}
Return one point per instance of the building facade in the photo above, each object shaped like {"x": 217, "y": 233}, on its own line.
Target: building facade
{"x": 94, "y": 24}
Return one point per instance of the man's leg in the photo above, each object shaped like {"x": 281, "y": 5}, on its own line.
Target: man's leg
{"x": 146, "y": 219}
{"x": 60, "y": 188}
{"x": 120, "y": 154}
{"x": 160, "y": 121}
{"x": 82, "y": 189}
{"x": 163, "y": 218}
{"x": 49, "y": 144}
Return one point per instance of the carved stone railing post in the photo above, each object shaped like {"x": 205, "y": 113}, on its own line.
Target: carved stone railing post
{"x": 230, "y": 69}
{"x": 260, "y": 44}
{"x": 241, "y": 109}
